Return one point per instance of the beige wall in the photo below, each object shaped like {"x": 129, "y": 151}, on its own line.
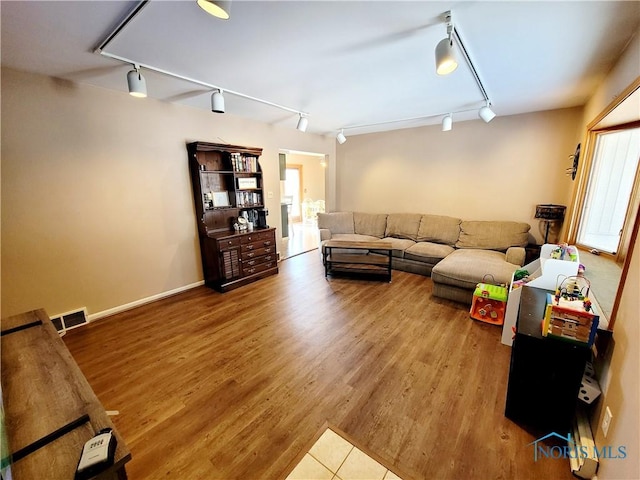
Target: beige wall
{"x": 620, "y": 378}
{"x": 477, "y": 171}
{"x": 97, "y": 208}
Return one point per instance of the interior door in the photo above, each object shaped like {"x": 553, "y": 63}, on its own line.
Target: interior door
{"x": 293, "y": 189}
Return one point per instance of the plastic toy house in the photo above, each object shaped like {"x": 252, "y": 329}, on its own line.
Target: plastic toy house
{"x": 489, "y": 303}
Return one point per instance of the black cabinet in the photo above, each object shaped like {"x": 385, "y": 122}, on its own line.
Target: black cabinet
{"x": 545, "y": 373}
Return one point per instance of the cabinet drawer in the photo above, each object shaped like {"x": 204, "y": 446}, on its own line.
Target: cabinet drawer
{"x": 248, "y": 247}
{"x": 258, "y": 237}
{"x": 252, "y": 262}
{"x": 248, "y": 254}
{"x": 228, "y": 243}
{"x": 250, "y": 270}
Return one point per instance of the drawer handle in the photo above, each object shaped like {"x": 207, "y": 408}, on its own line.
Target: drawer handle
{"x": 230, "y": 242}
{"x": 251, "y": 270}
{"x": 249, "y": 238}
{"x": 249, "y": 247}
{"x": 252, "y": 262}
{"x": 250, "y": 254}
{"x": 266, "y": 244}
{"x": 268, "y": 258}
{"x": 267, "y": 250}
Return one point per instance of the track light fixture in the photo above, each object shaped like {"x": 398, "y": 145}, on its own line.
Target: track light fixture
{"x": 136, "y": 82}
{"x": 302, "y": 123}
{"x": 485, "y": 113}
{"x": 447, "y": 119}
{"x": 217, "y": 8}
{"x": 217, "y": 101}
{"x": 340, "y": 137}
{"x": 445, "y": 54}
{"x": 447, "y": 123}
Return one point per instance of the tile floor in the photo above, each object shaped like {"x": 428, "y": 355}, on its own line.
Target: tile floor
{"x": 334, "y": 458}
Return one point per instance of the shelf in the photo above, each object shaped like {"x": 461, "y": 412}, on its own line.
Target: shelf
{"x": 358, "y": 259}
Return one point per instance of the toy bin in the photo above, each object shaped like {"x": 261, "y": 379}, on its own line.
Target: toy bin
{"x": 489, "y": 303}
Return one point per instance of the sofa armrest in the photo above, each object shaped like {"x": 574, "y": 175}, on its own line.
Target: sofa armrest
{"x": 515, "y": 255}
{"x": 325, "y": 234}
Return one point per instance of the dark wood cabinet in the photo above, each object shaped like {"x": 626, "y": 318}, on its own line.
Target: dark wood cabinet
{"x": 545, "y": 373}
{"x": 227, "y": 181}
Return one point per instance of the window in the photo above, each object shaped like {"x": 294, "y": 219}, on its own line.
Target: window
{"x": 610, "y": 185}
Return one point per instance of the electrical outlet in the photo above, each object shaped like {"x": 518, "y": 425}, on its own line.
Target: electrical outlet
{"x": 269, "y": 194}
{"x": 606, "y": 421}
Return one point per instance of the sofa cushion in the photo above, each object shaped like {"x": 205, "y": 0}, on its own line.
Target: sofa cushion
{"x": 373, "y": 224}
{"x": 398, "y": 245}
{"x": 354, "y": 237}
{"x": 497, "y": 235}
{"x": 439, "y": 229}
{"x": 403, "y": 225}
{"x": 466, "y": 268}
{"x": 337, "y": 222}
{"x": 427, "y": 252}
{"x": 350, "y": 237}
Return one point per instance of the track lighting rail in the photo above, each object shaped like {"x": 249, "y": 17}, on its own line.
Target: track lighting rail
{"x": 207, "y": 85}
{"x": 474, "y": 72}
{"x": 403, "y": 120}
{"x": 125, "y": 21}
{"x": 442, "y": 56}
{"x": 134, "y": 12}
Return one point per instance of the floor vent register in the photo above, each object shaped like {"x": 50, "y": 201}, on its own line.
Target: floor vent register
{"x": 69, "y": 320}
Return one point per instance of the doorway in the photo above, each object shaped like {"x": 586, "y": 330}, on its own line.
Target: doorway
{"x": 293, "y": 192}
{"x": 302, "y": 194}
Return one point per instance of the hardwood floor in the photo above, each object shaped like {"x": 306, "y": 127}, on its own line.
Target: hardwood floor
{"x": 236, "y": 385}
{"x": 302, "y": 238}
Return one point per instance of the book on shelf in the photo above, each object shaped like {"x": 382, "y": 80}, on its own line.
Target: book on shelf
{"x": 249, "y": 199}
{"x": 244, "y": 163}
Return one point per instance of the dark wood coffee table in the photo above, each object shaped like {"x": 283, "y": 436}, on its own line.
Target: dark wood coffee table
{"x": 363, "y": 264}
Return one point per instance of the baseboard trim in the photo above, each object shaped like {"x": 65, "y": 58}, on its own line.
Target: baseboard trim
{"x": 142, "y": 301}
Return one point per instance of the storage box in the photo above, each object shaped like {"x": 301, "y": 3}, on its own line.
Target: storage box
{"x": 489, "y": 303}
{"x": 551, "y": 268}
{"x": 513, "y": 302}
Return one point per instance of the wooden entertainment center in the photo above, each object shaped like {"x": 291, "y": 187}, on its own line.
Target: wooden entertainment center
{"x": 227, "y": 185}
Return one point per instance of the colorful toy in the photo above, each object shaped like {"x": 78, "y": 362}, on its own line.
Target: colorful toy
{"x": 520, "y": 274}
{"x": 569, "y": 314}
{"x": 489, "y": 303}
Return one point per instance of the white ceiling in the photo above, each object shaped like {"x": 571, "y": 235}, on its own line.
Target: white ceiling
{"x": 344, "y": 63}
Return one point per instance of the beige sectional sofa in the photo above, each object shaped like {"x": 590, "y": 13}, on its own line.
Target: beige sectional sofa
{"x": 457, "y": 254}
